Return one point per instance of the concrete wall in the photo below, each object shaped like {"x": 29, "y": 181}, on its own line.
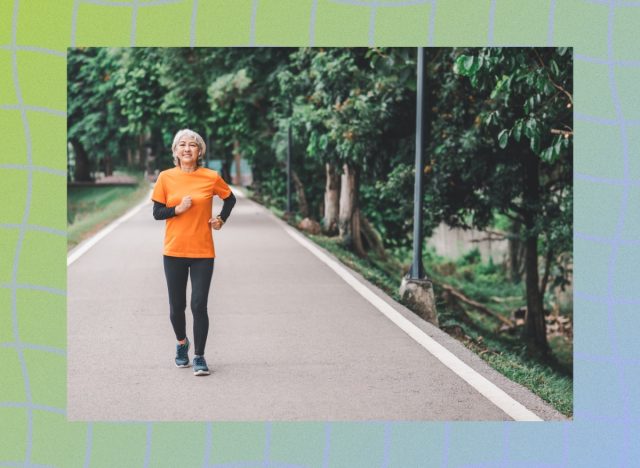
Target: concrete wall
{"x": 453, "y": 243}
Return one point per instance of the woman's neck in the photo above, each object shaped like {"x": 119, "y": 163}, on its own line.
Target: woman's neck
{"x": 184, "y": 168}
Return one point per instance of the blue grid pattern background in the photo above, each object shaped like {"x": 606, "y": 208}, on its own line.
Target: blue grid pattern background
{"x": 34, "y": 35}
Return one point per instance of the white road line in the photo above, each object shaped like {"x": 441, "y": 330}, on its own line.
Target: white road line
{"x": 84, "y": 247}
{"x": 238, "y": 192}
{"x": 488, "y": 389}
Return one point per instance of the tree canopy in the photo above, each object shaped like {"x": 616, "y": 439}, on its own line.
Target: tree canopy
{"x": 498, "y": 146}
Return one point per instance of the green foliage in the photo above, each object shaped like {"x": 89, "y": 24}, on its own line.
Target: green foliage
{"x": 517, "y": 97}
{"x": 94, "y": 117}
{"x": 472, "y": 257}
{"x": 138, "y": 89}
{"x": 348, "y": 106}
{"x": 552, "y": 381}
{"x": 489, "y": 121}
{"x": 514, "y": 156}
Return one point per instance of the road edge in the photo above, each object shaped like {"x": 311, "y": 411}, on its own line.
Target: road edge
{"x": 468, "y": 366}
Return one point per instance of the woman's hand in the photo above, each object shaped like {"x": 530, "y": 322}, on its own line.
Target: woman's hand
{"x": 184, "y": 205}
{"x": 216, "y": 223}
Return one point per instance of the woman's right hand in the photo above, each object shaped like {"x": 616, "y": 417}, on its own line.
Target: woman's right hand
{"x": 184, "y": 205}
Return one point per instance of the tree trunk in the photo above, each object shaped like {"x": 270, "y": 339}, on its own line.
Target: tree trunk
{"x": 331, "y": 201}
{"x": 237, "y": 157}
{"x": 349, "y": 216}
{"x": 82, "y": 171}
{"x": 225, "y": 170}
{"x": 208, "y": 152}
{"x": 535, "y": 332}
{"x": 535, "y": 328}
{"x": 516, "y": 254}
{"x": 372, "y": 238}
{"x": 225, "y": 167}
{"x": 303, "y": 207}
{"x": 142, "y": 152}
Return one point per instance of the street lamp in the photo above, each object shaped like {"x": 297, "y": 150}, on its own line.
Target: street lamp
{"x": 416, "y": 290}
{"x": 289, "y": 144}
{"x": 417, "y": 268}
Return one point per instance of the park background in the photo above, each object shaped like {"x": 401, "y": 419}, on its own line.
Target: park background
{"x": 33, "y": 247}
{"x": 350, "y": 117}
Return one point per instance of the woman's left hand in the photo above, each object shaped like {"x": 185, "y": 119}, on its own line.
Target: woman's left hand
{"x": 215, "y": 223}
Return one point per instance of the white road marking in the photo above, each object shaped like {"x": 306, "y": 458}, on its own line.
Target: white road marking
{"x": 238, "y": 192}
{"x": 84, "y": 247}
{"x": 488, "y": 389}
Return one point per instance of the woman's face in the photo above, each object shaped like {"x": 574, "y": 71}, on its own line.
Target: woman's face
{"x": 187, "y": 151}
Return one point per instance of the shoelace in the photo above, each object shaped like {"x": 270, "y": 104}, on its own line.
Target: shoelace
{"x": 199, "y": 361}
{"x": 183, "y": 350}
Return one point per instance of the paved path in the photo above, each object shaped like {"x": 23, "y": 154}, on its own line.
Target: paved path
{"x": 288, "y": 340}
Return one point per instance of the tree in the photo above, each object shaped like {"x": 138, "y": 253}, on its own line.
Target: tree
{"x": 93, "y": 115}
{"x": 346, "y": 101}
{"x": 141, "y": 94}
{"x": 515, "y": 158}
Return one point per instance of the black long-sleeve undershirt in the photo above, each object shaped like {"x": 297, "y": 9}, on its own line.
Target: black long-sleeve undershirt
{"x": 227, "y": 205}
{"x": 161, "y": 211}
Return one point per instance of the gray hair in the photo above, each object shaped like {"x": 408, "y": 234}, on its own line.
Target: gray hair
{"x": 185, "y": 132}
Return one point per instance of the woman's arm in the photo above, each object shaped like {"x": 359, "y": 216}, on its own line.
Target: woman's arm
{"x": 227, "y": 205}
{"x": 160, "y": 211}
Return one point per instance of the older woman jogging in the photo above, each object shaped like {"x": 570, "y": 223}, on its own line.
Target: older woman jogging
{"x": 183, "y": 196}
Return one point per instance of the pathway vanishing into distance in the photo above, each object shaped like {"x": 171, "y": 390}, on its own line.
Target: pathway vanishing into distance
{"x": 294, "y": 335}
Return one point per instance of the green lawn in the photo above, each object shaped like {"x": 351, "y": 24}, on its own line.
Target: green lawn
{"x": 89, "y": 209}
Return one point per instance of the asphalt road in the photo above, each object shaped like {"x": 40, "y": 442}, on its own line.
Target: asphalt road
{"x": 289, "y": 339}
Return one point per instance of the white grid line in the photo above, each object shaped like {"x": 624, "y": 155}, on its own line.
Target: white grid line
{"x": 312, "y": 23}
{"x": 22, "y": 233}
{"x": 35, "y": 227}
{"x": 39, "y": 50}
{"x": 34, "y": 287}
{"x": 22, "y": 167}
{"x": 372, "y": 25}
{"x": 380, "y": 4}
{"x": 45, "y": 110}
{"x": 254, "y": 14}
{"x": 194, "y": 16}
{"x": 35, "y": 347}
{"x": 133, "y": 3}
{"x": 613, "y": 260}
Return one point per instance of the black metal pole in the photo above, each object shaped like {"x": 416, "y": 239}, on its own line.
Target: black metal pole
{"x": 289, "y": 168}
{"x": 417, "y": 268}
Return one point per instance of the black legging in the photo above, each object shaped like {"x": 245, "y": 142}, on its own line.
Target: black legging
{"x": 176, "y": 269}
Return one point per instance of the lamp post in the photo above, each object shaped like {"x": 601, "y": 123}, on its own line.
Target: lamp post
{"x": 417, "y": 268}
{"x": 416, "y": 290}
{"x": 289, "y": 143}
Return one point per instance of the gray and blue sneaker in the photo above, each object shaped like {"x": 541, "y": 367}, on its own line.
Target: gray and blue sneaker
{"x": 182, "y": 354}
{"x": 200, "y": 366}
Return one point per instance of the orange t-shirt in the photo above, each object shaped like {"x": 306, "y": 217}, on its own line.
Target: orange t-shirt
{"x": 189, "y": 234}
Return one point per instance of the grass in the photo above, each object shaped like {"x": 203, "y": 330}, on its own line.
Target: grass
{"x": 549, "y": 378}
{"x": 91, "y": 208}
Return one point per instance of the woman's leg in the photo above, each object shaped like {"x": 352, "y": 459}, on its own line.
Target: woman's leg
{"x": 176, "y": 271}
{"x": 201, "y": 273}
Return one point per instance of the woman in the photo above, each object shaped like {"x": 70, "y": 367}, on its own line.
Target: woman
{"x": 183, "y": 196}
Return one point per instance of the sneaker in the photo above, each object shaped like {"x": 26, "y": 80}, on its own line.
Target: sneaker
{"x": 182, "y": 354}
{"x": 200, "y": 366}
